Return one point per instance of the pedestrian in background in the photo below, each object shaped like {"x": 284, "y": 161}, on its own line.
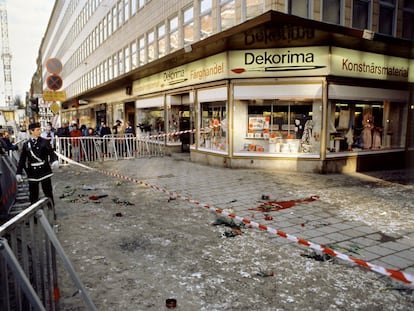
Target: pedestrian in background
{"x": 75, "y": 135}
{"x": 116, "y": 129}
{"x": 104, "y": 131}
{"x": 6, "y": 142}
{"x": 49, "y": 135}
{"x": 35, "y": 159}
{"x": 129, "y": 129}
{"x": 63, "y": 132}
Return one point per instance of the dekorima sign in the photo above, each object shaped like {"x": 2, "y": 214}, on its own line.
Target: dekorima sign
{"x": 352, "y": 63}
{"x": 303, "y": 61}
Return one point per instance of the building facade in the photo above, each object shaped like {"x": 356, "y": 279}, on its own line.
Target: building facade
{"x": 322, "y": 86}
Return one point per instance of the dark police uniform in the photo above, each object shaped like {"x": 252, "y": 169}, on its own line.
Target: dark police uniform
{"x": 35, "y": 159}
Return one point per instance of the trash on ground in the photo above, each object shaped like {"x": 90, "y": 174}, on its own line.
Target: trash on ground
{"x": 86, "y": 187}
{"x": 171, "y": 199}
{"x": 97, "y": 197}
{"x": 351, "y": 249}
{"x": 265, "y": 273}
{"x": 122, "y": 202}
{"x": 232, "y": 232}
{"x": 316, "y": 256}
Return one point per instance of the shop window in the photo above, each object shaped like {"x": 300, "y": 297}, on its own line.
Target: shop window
{"x": 273, "y": 126}
{"x": 371, "y": 126}
{"x": 180, "y": 118}
{"x": 361, "y": 12}
{"x": 213, "y": 131}
{"x": 150, "y": 121}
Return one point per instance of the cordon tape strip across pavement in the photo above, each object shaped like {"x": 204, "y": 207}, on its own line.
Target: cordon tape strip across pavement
{"x": 395, "y": 274}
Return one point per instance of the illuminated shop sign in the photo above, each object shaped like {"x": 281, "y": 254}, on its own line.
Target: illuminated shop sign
{"x": 360, "y": 64}
{"x": 279, "y": 62}
{"x": 283, "y": 62}
{"x": 206, "y": 70}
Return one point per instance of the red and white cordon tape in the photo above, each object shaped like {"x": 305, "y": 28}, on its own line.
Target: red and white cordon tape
{"x": 395, "y": 274}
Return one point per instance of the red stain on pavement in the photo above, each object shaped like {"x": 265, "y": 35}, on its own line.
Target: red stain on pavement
{"x": 273, "y": 206}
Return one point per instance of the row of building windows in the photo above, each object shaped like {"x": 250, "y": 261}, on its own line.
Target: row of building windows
{"x": 197, "y": 22}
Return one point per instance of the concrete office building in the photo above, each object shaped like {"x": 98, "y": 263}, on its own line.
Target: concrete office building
{"x": 310, "y": 85}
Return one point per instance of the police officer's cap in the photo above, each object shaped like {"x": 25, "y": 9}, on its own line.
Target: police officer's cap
{"x": 34, "y": 125}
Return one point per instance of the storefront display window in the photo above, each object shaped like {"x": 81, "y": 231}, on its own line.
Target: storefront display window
{"x": 180, "y": 119}
{"x": 273, "y": 126}
{"x": 369, "y": 126}
{"x": 213, "y": 131}
{"x": 150, "y": 121}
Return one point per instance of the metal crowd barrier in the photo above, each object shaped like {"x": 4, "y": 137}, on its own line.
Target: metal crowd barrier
{"x": 110, "y": 147}
{"x": 28, "y": 265}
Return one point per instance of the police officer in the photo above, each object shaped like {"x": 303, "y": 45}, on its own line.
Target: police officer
{"x": 35, "y": 159}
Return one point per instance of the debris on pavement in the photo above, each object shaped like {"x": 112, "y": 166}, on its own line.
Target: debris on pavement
{"x": 317, "y": 256}
{"x": 86, "y": 187}
{"x": 265, "y": 273}
{"x": 97, "y": 197}
{"x": 122, "y": 202}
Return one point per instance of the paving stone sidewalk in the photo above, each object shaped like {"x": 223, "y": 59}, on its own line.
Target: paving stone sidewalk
{"x": 369, "y": 216}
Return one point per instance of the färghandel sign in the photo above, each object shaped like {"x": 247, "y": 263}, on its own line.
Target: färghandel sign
{"x": 209, "y": 69}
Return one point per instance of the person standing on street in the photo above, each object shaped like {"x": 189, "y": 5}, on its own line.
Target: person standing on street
{"x": 129, "y": 129}
{"x": 7, "y": 144}
{"x": 49, "y": 135}
{"x": 35, "y": 159}
{"x": 76, "y": 135}
{"x": 104, "y": 131}
{"x": 117, "y": 127}
{"x": 63, "y": 132}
